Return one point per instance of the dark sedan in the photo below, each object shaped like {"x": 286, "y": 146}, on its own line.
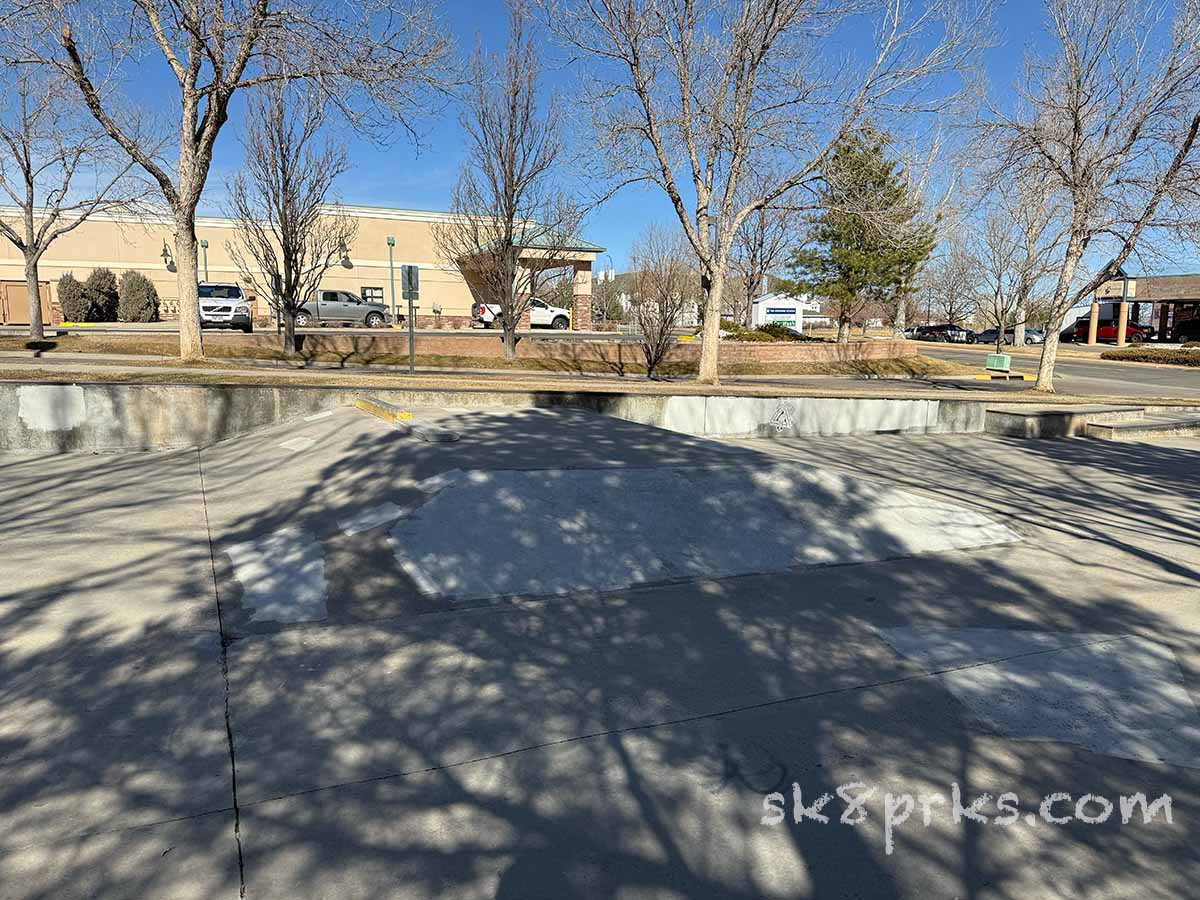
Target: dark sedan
{"x": 948, "y": 333}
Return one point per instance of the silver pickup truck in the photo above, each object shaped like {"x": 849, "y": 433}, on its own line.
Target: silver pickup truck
{"x": 342, "y": 308}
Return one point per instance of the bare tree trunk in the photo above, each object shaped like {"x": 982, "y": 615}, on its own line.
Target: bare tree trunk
{"x": 509, "y": 338}
{"x": 1019, "y": 327}
{"x": 1045, "y": 376}
{"x": 710, "y": 344}
{"x": 843, "y": 335}
{"x": 191, "y": 345}
{"x": 898, "y": 323}
{"x": 37, "y": 330}
{"x": 289, "y": 331}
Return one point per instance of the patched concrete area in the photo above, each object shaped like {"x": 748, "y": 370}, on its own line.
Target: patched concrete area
{"x": 1120, "y": 695}
{"x": 554, "y": 531}
{"x": 282, "y": 576}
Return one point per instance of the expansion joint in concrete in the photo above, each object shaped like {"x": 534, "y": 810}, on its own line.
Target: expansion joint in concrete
{"x": 229, "y": 739}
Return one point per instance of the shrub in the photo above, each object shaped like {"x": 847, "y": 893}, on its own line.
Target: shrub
{"x": 72, "y": 300}
{"x": 138, "y": 300}
{"x": 777, "y": 330}
{"x": 100, "y": 289}
{"x": 1155, "y": 355}
{"x": 770, "y": 332}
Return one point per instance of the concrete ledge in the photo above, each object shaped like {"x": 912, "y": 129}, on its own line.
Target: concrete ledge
{"x": 1157, "y": 426}
{"x": 120, "y": 417}
{"x": 1054, "y": 422}
{"x": 381, "y": 409}
{"x": 403, "y": 419}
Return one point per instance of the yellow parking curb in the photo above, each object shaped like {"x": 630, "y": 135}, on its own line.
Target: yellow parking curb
{"x": 1016, "y": 376}
{"x": 382, "y": 410}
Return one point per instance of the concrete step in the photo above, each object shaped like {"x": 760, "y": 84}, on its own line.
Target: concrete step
{"x": 1022, "y": 421}
{"x": 1150, "y": 426}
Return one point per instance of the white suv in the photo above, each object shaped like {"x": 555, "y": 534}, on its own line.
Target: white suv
{"x": 223, "y": 305}
{"x": 541, "y": 315}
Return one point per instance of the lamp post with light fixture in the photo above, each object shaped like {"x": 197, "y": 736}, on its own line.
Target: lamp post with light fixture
{"x": 391, "y": 243}
{"x": 204, "y": 248}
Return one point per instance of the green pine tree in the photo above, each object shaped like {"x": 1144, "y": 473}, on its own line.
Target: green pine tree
{"x": 867, "y": 243}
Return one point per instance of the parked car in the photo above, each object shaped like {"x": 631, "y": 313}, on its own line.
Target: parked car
{"x": 541, "y": 315}
{"x": 954, "y": 334}
{"x": 1032, "y": 336}
{"x": 1106, "y": 330}
{"x": 223, "y": 305}
{"x": 1187, "y": 330}
{"x": 342, "y": 308}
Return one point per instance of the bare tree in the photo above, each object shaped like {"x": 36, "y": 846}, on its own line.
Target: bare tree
{"x": 705, "y": 98}
{"x": 930, "y": 199}
{"x": 1012, "y": 249}
{"x": 994, "y": 250}
{"x": 374, "y": 61}
{"x": 760, "y": 249}
{"x": 513, "y": 230}
{"x": 56, "y": 171}
{"x": 288, "y": 234}
{"x": 665, "y": 284}
{"x": 1108, "y": 116}
{"x": 952, "y": 283}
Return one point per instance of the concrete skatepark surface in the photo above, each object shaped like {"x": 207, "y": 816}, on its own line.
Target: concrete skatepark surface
{"x": 594, "y": 743}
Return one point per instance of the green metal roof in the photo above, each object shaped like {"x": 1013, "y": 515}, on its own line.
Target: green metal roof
{"x": 540, "y": 237}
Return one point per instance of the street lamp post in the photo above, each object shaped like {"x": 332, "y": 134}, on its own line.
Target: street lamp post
{"x": 391, "y": 243}
{"x": 204, "y": 247}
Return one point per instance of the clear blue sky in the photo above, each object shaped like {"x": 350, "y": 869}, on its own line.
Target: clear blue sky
{"x": 421, "y": 177}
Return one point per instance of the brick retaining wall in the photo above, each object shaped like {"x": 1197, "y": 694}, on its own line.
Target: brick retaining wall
{"x": 488, "y": 344}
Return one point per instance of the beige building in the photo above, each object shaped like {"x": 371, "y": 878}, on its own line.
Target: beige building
{"x": 145, "y": 243}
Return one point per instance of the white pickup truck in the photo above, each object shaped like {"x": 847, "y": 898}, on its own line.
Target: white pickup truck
{"x": 541, "y": 315}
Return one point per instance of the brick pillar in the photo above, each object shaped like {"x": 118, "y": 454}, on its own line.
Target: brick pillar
{"x": 581, "y": 319}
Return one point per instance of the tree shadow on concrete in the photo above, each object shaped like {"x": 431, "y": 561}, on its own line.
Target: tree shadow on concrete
{"x": 597, "y": 745}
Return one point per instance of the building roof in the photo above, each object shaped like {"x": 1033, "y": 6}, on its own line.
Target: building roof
{"x": 1158, "y": 288}
{"x": 540, "y": 237}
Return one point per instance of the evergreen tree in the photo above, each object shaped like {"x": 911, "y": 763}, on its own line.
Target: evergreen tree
{"x": 867, "y": 244}
{"x": 71, "y": 299}
{"x": 100, "y": 291}
{"x": 137, "y": 298}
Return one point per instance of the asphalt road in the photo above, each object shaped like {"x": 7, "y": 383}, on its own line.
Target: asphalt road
{"x": 1086, "y": 376}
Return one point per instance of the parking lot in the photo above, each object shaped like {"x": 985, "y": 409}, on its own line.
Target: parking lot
{"x": 568, "y": 656}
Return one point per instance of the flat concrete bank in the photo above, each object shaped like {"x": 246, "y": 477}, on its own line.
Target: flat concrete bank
{"x": 115, "y": 417}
